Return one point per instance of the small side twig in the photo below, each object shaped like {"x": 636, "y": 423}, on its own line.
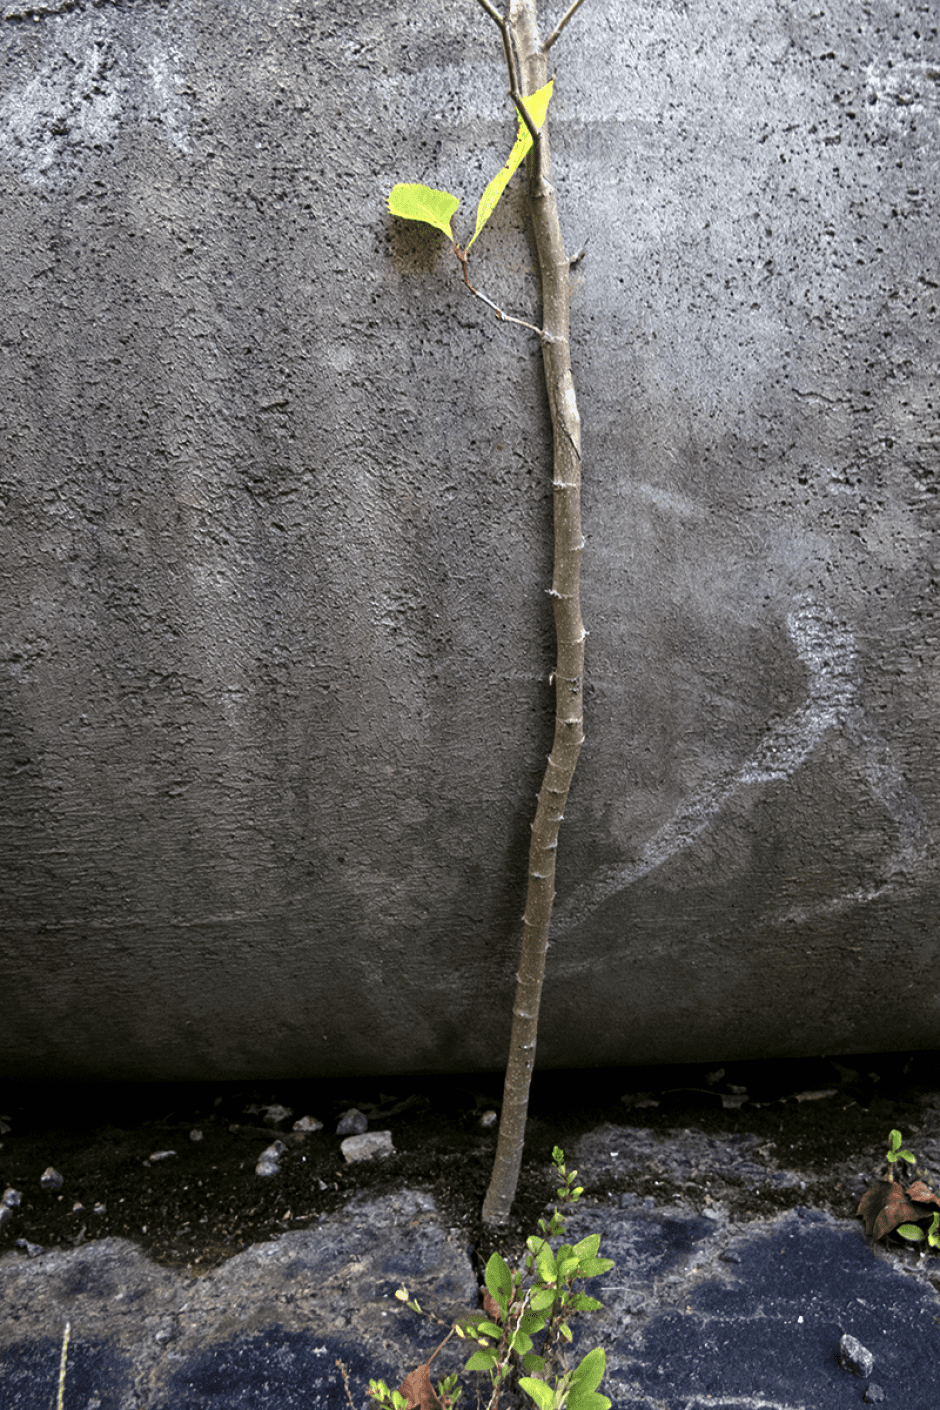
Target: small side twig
{"x": 514, "y": 92}
{"x": 345, "y": 1375}
{"x": 503, "y": 317}
{"x": 561, "y": 24}
{"x": 497, "y": 19}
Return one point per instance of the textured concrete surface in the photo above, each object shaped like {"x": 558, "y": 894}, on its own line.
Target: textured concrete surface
{"x": 698, "y": 1311}
{"x": 275, "y": 536}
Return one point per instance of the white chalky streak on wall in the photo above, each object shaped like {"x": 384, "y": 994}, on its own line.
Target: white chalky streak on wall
{"x": 100, "y": 71}
{"x": 827, "y": 649}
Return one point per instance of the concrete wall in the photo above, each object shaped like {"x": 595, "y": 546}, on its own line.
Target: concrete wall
{"x": 276, "y": 533}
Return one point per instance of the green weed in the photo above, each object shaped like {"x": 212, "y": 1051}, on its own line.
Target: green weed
{"x": 520, "y": 1305}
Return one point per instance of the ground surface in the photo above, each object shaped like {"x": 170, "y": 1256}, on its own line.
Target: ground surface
{"x": 828, "y": 1120}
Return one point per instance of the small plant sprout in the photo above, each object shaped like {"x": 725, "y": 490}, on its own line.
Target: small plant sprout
{"x": 933, "y": 1237}
{"x": 916, "y": 1235}
{"x": 895, "y": 1153}
{"x": 888, "y": 1208}
{"x": 520, "y": 1305}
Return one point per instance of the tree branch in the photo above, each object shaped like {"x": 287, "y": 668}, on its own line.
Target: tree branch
{"x": 560, "y": 25}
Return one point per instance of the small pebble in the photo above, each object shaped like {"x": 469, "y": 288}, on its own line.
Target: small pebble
{"x": 488, "y": 1119}
{"x": 275, "y": 1114}
{"x": 77, "y": 1206}
{"x": 854, "y": 1357}
{"x": 195, "y": 1134}
{"x": 32, "y": 1250}
{"x": 101, "y": 1208}
{"x": 308, "y": 1123}
{"x": 51, "y": 1179}
{"x": 368, "y": 1146}
{"x": 6, "y": 1214}
{"x": 352, "y": 1123}
{"x": 269, "y": 1159}
{"x": 160, "y": 1155}
{"x": 873, "y": 1393}
{"x": 12, "y": 1198}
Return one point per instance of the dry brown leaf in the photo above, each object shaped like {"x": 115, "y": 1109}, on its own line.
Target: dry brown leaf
{"x": 923, "y": 1194}
{"x": 419, "y": 1390}
{"x": 491, "y": 1307}
{"x": 886, "y": 1205}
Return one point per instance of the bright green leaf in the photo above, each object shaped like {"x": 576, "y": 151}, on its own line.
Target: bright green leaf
{"x": 589, "y": 1373}
{"x": 542, "y": 1299}
{"x": 910, "y": 1231}
{"x": 536, "y": 106}
{"x": 520, "y": 1343}
{"x": 541, "y": 1393}
{"x": 588, "y": 1247}
{"x": 489, "y": 1329}
{"x": 499, "y": 1281}
{"x": 545, "y": 1262}
{"x": 417, "y": 202}
{"x": 482, "y": 1361}
{"x": 587, "y": 1400}
{"x": 593, "y": 1267}
{"x": 580, "y": 1302}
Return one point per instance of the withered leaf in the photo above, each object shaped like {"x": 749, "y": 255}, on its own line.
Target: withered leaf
{"x": 923, "y": 1194}
{"x": 886, "y": 1205}
{"x": 419, "y": 1390}
{"x": 491, "y": 1306}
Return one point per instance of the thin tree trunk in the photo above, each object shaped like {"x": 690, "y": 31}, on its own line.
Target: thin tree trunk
{"x": 569, "y": 629}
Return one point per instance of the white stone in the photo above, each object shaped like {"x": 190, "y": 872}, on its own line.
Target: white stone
{"x": 370, "y": 1146}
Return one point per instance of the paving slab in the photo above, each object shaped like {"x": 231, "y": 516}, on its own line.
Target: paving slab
{"x": 702, "y": 1309}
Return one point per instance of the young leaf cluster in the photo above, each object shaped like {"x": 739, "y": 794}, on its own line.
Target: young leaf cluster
{"x": 895, "y": 1153}
{"x": 412, "y": 201}
{"x": 520, "y": 1305}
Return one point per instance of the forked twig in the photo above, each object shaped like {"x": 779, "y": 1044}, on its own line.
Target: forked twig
{"x": 514, "y": 92}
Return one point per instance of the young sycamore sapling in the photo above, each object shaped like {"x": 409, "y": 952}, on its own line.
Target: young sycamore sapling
{"x": 531, "y": 90}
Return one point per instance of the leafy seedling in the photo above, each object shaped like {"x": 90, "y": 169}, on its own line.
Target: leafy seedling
{"x": 895, "y": 1152}
{"x": 520, "y": 1305}
{"x": 886, "y": 1208}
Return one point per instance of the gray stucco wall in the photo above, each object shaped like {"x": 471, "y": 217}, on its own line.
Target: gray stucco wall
{"x": 276, "y": 531}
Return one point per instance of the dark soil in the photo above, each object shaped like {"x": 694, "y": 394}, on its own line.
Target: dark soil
{"x": 197, "y": 1207}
